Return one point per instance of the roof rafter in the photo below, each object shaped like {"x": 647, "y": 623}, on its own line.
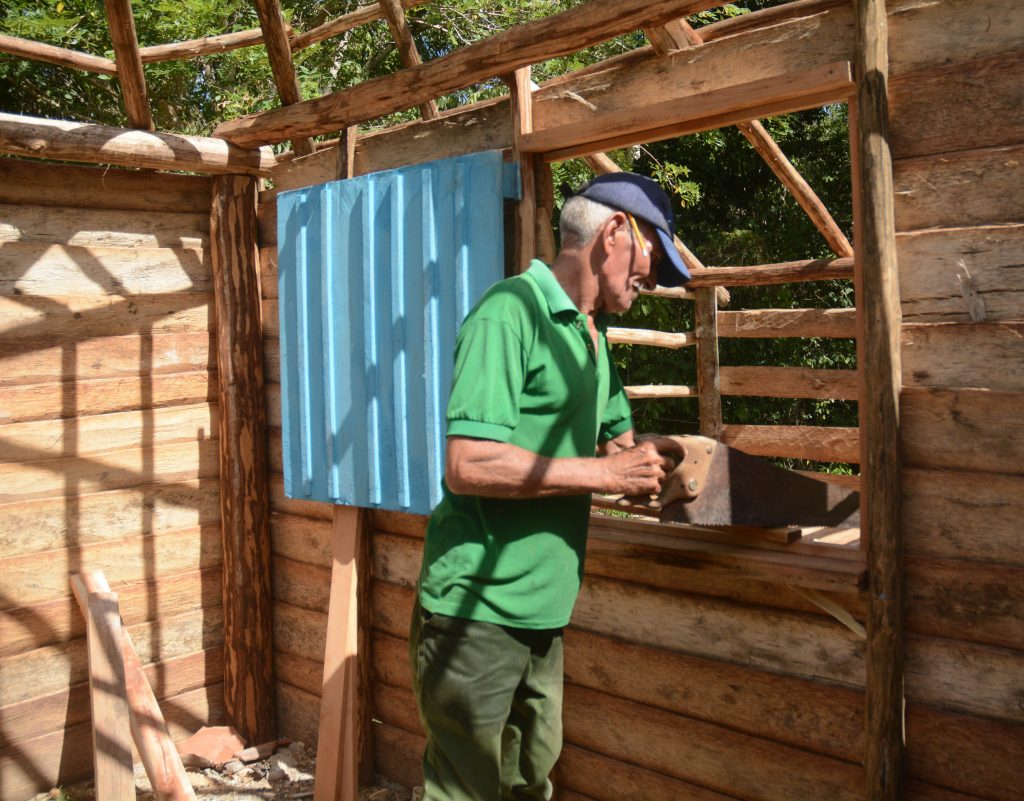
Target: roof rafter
{"x": 121, "y": 21}
{"x": 566, "y": 32}
{"x": 275, "y": 37}
{"x": 399, "y": 27}
{"x": 39, "y": 51}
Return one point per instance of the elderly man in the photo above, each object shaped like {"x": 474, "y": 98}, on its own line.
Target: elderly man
{"x": 536, "y": 422}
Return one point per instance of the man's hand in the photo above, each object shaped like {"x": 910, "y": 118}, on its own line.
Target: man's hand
{"x": 641, "y": 469}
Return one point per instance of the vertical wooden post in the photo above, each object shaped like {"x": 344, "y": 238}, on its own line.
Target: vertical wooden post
{"x": 248, "y": 642}
{"x": 878, "y": 302}
{"x": 709, "y": 389}
{"x": 342, "y": 723}
{"x": 521, "y": 90}
{"x": 544, "y": 238}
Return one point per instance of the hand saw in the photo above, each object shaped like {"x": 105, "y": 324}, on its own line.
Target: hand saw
{"x": 715, "y": 485}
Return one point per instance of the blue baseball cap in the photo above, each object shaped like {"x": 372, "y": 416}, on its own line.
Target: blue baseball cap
{"x": 646, "y": 200}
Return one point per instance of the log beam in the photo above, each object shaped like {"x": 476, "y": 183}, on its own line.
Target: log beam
{"x": 767, "y": 274}
{"x": 675, "y": 35}
{"x": 101, "y": 144}
{"x": 559, "y": 34}
{"x": 521, "y": 90}
{"x": 245, "y": 513}
{"x": 205, "y": 46}
{"x": 346, "y": 22}
{"x": 729, "y": 105}
{"x": 709, "y": 389}
{"x": 275, "y": 37}
{"x": 879, "y": 356}
{"x": 121, "y": 22}
{"x": 62, "y": 57}
{"x": 394, "y": 15}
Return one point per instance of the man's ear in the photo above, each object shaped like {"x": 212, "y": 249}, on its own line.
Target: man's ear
{"x": 615, "y": 225}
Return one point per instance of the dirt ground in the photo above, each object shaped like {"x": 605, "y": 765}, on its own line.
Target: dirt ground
{"x": 285, "y": 776}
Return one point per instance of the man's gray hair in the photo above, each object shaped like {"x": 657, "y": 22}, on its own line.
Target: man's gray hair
{"x": 582, "y": 218}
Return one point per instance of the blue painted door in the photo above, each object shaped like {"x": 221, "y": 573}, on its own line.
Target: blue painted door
{"x": 376, "y": 274}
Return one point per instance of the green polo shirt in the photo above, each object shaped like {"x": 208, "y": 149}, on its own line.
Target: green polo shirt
{"x": 526, "y": 373}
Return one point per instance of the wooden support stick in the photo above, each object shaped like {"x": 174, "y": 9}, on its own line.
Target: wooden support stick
{"x": 38, "y": 51}
{"x": 100, "y": 144}
{"x": 545, "y": 237}
{"x": 108, "y": 697}
{"x": 878, "y": 302}
{"x": 559, "y": 34}
{"x": 659, "y": 339}
{"x": 275, "y": 36}
{"x": 675, "y": 35}
{"x": 791, "y": 178}
{"x": 521, "y": 89}
{"x": 205, "y": 46}
{"x": 338, "y": 743}
{"x": 148, "y": 727}
{"x": 344, "y": 23}
{"x": 245, "y": 510}
{"x": 394, "y": 14}
{"x": 121, "y": 22}
{"x": 767, "y": 274}
{"x": 708, "y": 380}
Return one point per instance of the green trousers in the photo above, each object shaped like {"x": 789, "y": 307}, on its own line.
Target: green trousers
{"x": 490, "y": 699}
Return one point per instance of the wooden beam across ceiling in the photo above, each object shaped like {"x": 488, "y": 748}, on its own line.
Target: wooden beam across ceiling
{"x": 275, "y": 36}
{"x": 125, "y": 147}
{"x": 62, "y": 57}
{"x": 346, "y": 22}
{"x": 560, "y": 34}
{"x": 121, "y": 22}
{"x": 394, "y": 14}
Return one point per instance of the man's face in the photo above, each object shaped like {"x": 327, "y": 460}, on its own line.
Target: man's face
{"x": 631, "y": 265}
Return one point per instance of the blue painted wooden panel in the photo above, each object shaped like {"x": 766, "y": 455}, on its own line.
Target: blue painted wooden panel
{"x": 376, "y": 274}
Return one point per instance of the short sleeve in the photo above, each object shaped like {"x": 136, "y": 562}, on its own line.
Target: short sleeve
{"x": 618, "y": 416}
{"x": 488, "y": 381}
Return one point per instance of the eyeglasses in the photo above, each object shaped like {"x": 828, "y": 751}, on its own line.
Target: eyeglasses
{"x": 646, "y": 247}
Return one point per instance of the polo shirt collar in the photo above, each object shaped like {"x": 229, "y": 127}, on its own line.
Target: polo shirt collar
{"x": 558, "y": 301}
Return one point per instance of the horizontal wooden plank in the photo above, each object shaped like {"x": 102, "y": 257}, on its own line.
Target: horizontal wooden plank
{"x": 963, "y": 600}
{"x": 100, "y": 396}
{"x": 753, "y": 95}
{"x": 660, "y": 391}
{"x": 970, "y": 187}
{"x": 273, "y": 395}
{"x": 28, "y": 268}
{"x": 300, "y": 632}
{"x": 942, "y": 509}
{"x": 978, "y": 355}
{"x": 790, "y": 643}
{"x": 789, "y": 382}
{"x": 965, "y": 677}
{"x": 299, "y": 672}
{"x": 961, "y": 106}
{"x": 70, "y": 706}
{"x": 398, "y": 754}
{"x": 268, "y": 272}
{"x": 301, "y": 584}
{"x": 53, "y": 523}
{"x": 398, "y": 523}
{"x": 71, "y": 319}
{"x": 962, "y": 429}
{"x": 41, "y": 184}
{"x": 106, "y": 357}
{"x": 298, "y": 714}
{"x": 605, "y": 779}
{"x": 970, "y": 754}
{"x": 738, "y": 573}
{"x": 817, "y": 443}
{"x": 48, "y": 670}
{"x": 269, "y": 314}
{"x": 161, "y": 595}
{"x": 769, "y": 274}
{"x": 303, "y": 539}
{"x": 64, "y": 757}
{"x": 937, "y": 268}
{"x": 659, "y": 339}
{"x": 290, "y": 506}
{"x": 131, "y": 467}
{"x": 772, "y": 323}
{"x": 818, "y": 717}
{"x": 701, "y": 753}
{"x": 101, "y": 433}
{"x": 39, "y": 577}
{"x": 271, "y": 360}
{"x": 104, "y": 228}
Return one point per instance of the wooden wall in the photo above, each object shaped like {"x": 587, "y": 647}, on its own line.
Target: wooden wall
{"x": 108, "y": 451}
{"x": 705, "y": 672}
{"x": 957, "y": 130}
